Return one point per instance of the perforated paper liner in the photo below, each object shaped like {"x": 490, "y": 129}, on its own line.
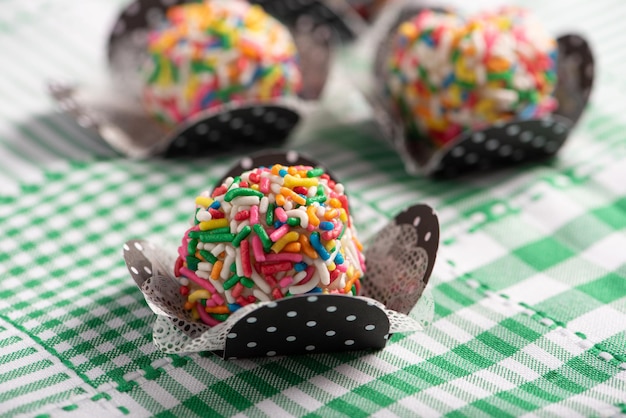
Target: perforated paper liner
{"x": 498, "y": 145}
{"x": 116, "y": 114}
{"x": 400, "y": 259}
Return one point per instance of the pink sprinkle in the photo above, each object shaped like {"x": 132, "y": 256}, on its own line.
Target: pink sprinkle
{"x": 237, "y": 289}
{"x": 280, "y": 232}
{"x": 254, "y": 215}
{"x": 264, "y": 187}
{"x": 217, "y": 299}
{"x": 286, "y": 281}
{"x": 310, "y": 227}
{"x": 211, "y": 303}
{"x": 342, "y": 267}
{"x": 293, "y": 257}
{"x": 245, "y": 258}
{"x": 280, "y": 214}
{"x": 205, "y": 317}
{"x": 309, "y": 273}
{"x": 257, "y": 248}
{"x": 197, "y": 280}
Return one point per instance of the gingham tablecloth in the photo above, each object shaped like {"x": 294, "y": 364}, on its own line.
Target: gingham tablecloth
{"x": 530, "y": 283}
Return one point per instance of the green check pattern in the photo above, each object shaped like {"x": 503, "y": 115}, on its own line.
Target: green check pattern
{"x": 529, "y": 287}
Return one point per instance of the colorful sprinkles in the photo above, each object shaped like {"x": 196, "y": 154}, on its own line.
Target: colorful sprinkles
{"x": 446, "y": 75}
{"x": 270, "y": 233}
{"x": 216, "y": 52}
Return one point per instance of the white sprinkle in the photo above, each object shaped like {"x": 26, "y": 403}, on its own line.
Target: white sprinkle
{"x": 229, "y": 181}
{"x": 306, "y": 287}
{"x": 297, "y": 278}
{"x": 228, "y": 261}
{"x": 229, "y": 296}
{"x": 339, "y": 188}
{"x": 264, "y": 204}
{"x": 261, "y": 284}
{"x": 219, "y": 249}
{"x": 311, "y": 192}
{"x": 203, "y": 274}
{"x": 226, "y": 207}
{"x": 242, "y": 225}
{"x": 246, "y": 200}
{"x": 260, "y": 295}
{"x": 204, "y": 266}
{"x": 301, "y": 214}
{"x": 323, "y": 271}
{"x": 203, "y": 216}
{"x": 288, "y": 205}
{"x": 233, "y": 226}
{"x": 275, "y": 188}
{"x": 183, "y": 281}
{"x": 218, "y": 285}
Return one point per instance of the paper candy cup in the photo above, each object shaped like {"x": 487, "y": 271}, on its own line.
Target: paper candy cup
{"x": 500, "y": 145}
{"x": 399, "y": 261}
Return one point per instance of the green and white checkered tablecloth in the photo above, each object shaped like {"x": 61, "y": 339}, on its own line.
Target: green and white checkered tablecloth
{"x": 530, "y": 283}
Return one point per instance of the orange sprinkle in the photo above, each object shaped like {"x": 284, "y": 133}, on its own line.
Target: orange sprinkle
{"x": 351, "y": 281}
{"x": 357, "y": 243}
{"x": 306, "y": 247}
{"x": 188, "y": 306}
{"x": 217, "y": 269}
{"x": 276, "y": 168}
{"x": 217, "y": 309}
{"x": 313, "y": 219}
{"x": 292, "y": 170}
{"x": 331, "y": 214}
{"x": 293, "y": 247}
{"x": 335, "y": 203}
{"x": 293, "y": 195}
{"x": 280, "y": 200}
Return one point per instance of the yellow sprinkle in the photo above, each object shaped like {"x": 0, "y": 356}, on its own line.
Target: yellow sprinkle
{"x": 291, "y": 181}
{"x": 199, "y": 294}
{"x": 204, "y": 201}
{"x": 213, "y": 224}
{"x": 293, "y": 247}
{"x": 254, "y": 186}
{"x": 342, "y": 215}
{"x": 284, "y": 240}
{"x": 331, "y": 266}
{"x": 194, "y": 314}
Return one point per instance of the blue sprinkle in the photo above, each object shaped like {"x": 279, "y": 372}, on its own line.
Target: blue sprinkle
{"x": 278, "y": 224}
{"x": 282, "y": 172}
{"x": 326, "y": 226}
{"x": 318, "y": 247}
{"x": 301, "y": 266}
{"x": 215, "y": 205}
{"x": 339, "y": 259}
{"x": 233, "y": 306}
{"x": 315, "y": 290}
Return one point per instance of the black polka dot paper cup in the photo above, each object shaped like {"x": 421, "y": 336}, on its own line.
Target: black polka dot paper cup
{"x": 463, "y": 114}
{"x": 399, "y": 261}
{"x": 197, "y": 79}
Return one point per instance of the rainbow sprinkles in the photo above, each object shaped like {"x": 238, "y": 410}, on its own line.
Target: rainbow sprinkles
{"x": 270, "y": 233}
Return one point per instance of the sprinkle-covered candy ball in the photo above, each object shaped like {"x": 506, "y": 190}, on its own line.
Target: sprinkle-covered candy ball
{"x": 217, "y": 52}
{"x": 265, "y": 235}
{"x": 446, "y": 74}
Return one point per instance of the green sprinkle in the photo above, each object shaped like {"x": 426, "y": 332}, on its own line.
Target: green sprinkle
{"x": 210, "y": 238}
{"x": 220, "y": 317}
{"x": 265, "y": 239}
{"x": 208, "y": 256}
{"x": 241, "y": 191}
{"x": 222, "y": 230}
{"x": 247, "y": 282}
{"x": 234, "y": 279}
{"x": 195, "y": 217}
{"x": 192, "y": 263}
{"x": 318, "y": 199}
{"x": 293, "y": 221}
{"x": 233, "y": 267}
{"x": 320, "y": 190}
{"x": 245, "y": 231}
{"x": 316, "y": 172}
{"x": 269, "y": 216}
{"x": 192, "y": 245}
